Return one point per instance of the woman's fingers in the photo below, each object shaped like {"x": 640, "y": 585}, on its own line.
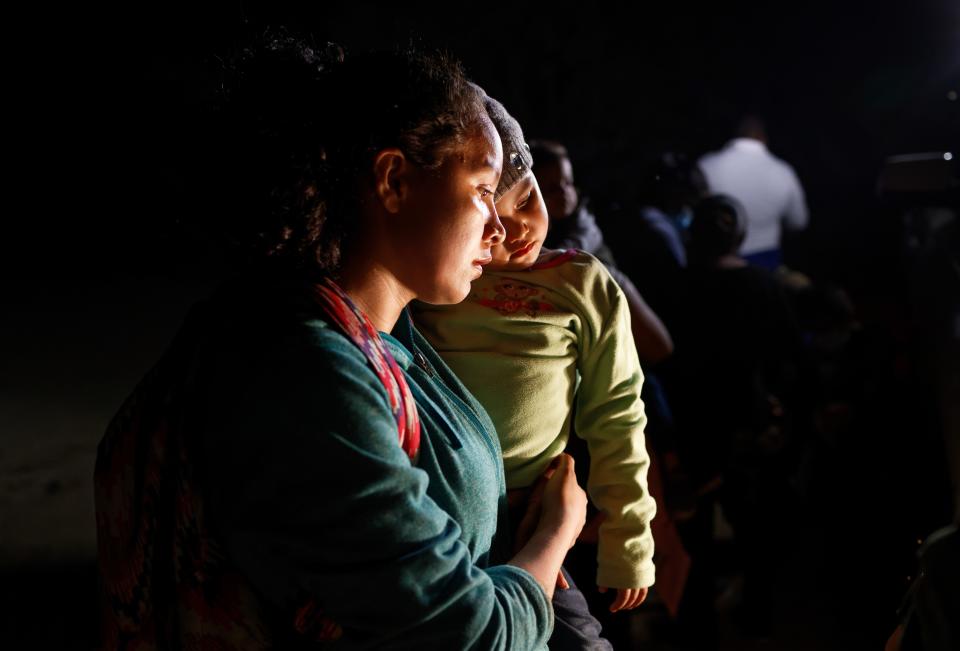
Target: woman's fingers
{"x": 564, "y": 502}
{"x": 552, "y": 468}
{"x": 531, "y": 516}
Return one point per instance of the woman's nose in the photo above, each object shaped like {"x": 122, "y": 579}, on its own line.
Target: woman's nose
{"x": 498, "y": 231}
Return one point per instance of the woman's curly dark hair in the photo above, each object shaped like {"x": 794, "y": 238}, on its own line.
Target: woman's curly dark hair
{"x": 299, "y": 129}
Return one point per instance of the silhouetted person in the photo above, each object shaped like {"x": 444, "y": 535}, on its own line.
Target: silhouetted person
{"x": 572, "y": 223}
{"x": 728, "y": 382}
{"x": 766, "y": 186}
{"x": 671, "y": 187}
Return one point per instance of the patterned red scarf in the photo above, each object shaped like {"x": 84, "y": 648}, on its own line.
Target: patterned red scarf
{"x": 358, "y": 328}
{"x": 165, "y": 582}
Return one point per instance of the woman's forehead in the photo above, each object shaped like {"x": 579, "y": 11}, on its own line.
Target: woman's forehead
{"x": 482, "y": 148}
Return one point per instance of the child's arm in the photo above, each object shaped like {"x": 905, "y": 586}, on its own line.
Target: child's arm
{"x": 611, "y": 419}
{"x": 627, "y": 598}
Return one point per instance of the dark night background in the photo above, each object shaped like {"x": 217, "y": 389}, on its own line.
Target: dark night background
{"x": 102, "y": 255}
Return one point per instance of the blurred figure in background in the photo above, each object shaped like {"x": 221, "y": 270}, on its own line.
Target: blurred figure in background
{"x": 766, "y": 186}
{"x": 671, "y": 188}
{"x": 732, "y": 383}
{"x": 572, "y": 223}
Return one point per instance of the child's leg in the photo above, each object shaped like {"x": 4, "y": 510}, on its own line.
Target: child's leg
{"x": 574, "y": 627}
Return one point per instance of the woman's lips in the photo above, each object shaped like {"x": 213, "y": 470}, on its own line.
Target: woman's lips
{"x": 479, "y": 262}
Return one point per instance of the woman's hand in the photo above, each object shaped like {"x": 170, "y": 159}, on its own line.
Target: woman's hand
{"x": 562, "y": 504}
{"x": 564, "y": 492}
{"x": 555, "y": 516}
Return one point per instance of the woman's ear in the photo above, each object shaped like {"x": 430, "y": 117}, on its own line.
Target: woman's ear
{"x": 391, "y": 171}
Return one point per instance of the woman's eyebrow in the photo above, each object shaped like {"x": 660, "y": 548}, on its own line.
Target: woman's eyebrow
{"x": 487, "y": 162}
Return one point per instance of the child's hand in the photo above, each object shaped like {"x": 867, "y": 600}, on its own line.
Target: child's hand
{"x": 627, "y": 598}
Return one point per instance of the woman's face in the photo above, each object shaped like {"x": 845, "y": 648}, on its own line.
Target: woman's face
{"x": 524, "y": 215}
{"x": 452, "y": 223}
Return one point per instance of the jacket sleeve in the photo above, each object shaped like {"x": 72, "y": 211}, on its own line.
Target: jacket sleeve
{"x": 610, "y": 417}
{"x": 315, "y": 499}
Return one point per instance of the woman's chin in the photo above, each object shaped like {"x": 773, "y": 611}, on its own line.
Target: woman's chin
{"x": 447, "y": 296}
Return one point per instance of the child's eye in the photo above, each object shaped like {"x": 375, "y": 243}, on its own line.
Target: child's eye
{"x": 525, "y": 200}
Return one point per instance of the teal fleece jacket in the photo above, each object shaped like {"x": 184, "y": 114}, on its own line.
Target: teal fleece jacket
{"x": 312, "y": 495}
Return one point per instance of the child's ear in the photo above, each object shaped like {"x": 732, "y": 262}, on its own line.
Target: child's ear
{"x": 390, "y": 173}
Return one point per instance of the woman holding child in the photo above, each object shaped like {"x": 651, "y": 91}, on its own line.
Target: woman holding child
{"x": 301, "y": 467}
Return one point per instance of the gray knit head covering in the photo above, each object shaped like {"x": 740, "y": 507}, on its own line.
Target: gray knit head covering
{"x": 517, "y": 159}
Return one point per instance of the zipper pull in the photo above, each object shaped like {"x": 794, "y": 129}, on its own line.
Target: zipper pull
{"x": 422, "y": 363}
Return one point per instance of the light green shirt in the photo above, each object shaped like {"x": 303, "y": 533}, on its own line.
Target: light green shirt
{"x": 531, "y": 345}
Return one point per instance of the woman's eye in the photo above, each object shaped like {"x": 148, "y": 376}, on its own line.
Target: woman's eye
{"x": 485, "y": 192}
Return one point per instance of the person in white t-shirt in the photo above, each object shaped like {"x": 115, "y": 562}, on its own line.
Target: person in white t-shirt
{"x": 767, "y": 187}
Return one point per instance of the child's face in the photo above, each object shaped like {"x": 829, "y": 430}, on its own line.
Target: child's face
{"x": 556, "y": 185}
{"x": 524, "y": 216}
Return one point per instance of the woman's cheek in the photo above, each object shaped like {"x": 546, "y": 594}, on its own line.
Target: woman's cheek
{"x": 479, "y": 217}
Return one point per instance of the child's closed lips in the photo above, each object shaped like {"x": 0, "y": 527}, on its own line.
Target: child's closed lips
{"x": 524, "y": 248}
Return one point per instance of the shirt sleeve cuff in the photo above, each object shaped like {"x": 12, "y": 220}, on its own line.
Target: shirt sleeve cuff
{"x": 642, "y": 576}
